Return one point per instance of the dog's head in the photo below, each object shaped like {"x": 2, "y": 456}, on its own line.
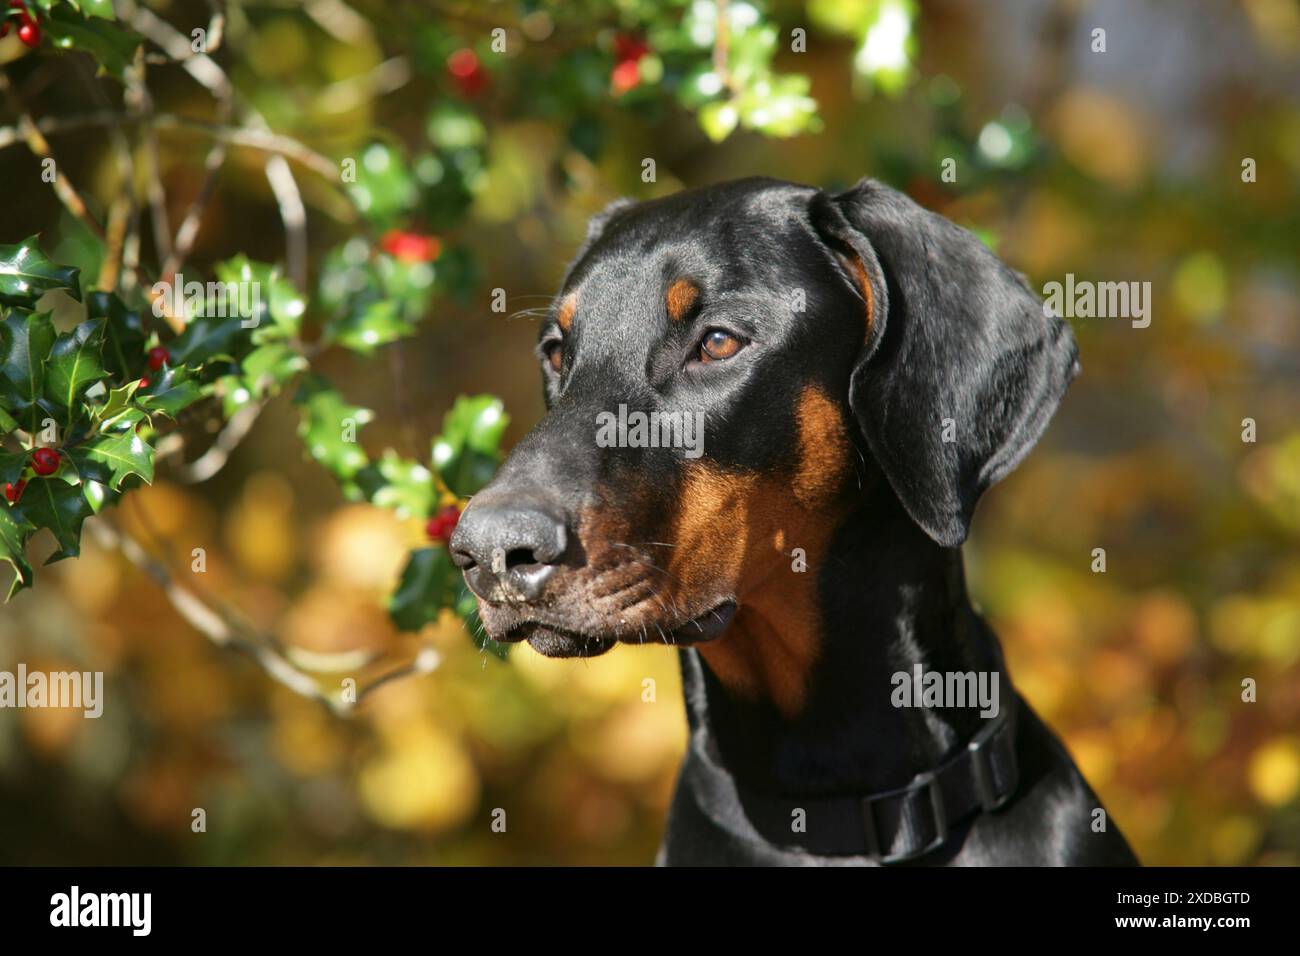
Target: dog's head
{"x": 724, "y": 369}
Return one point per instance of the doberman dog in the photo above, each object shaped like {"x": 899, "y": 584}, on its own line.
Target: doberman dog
{"x": 863, "y": 370}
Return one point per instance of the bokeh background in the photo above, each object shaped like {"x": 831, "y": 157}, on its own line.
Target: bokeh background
{"x": 1122, "y": 165}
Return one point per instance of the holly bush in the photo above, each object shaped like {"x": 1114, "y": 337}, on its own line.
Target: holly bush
{"x": 100, "y": 368}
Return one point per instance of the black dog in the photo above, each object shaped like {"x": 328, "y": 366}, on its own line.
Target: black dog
{"x": 863, "y": 370}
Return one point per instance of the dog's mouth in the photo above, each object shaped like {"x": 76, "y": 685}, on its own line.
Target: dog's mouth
{"x": 553, "y": 640}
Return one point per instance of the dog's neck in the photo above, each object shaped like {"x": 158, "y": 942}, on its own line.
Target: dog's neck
{"x": 888, "y": 599}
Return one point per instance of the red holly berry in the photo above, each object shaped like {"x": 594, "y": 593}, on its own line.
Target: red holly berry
{"x": 467, "y": 72}
{"x": 441, "y": 525}
{"x": 45, "y": 461}
{"x": 629, "y": 46}
{"x": 14, "y": 492}
{"x": 158, "y": 357}
{"x": 144, "y": 382}
{"x": 625, "y": 76}
{"x": 411, "y": 246}
{"x": 30, "y": 33}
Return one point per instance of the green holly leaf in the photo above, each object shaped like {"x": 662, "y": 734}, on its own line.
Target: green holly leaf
{"x": 53, "y": 503}
{"x": 119, "y": 402}
{"x": 204, "y": 339}
{"x": 170, "y": 391}
{"x": 466, "y": 453}
{"x": 429, "y": 582}
{"x": 26, "y": 275}
{"x": 74, "y": 365}
{"x": 384, "y": 187}
{"x": 15, "y": 529}
{"x": 97, "y": 495}
{"x": 12, "y": 464}
{"x": 112, "y": 47}
{"x": 369, "y": 326}
{"x": 405, "y": 486}
{"x": 274, "y": 298}
{"x": 25, "y": 342}
{"x": 110, "y": 458}
{"x": 7, "y": 423}
{"x": 271, "y": 365}
{"x": 124, "y": 335}
{"x": 95, "y": 8}
{"x": 329, "y": 427}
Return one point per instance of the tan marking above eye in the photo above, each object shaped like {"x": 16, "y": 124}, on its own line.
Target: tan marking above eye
{"x": 682, "y": 295}
{"x": 718, "y": 345}
{"x": 567, "y": 308}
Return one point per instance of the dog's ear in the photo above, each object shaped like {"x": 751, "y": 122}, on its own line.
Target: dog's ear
{"x": 961, "y": 368}
{"x": 597, "y": 223}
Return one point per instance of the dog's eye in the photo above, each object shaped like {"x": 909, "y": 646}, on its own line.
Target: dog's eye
{"x": 553, "y": 352}
{"x": 718, "y": 345}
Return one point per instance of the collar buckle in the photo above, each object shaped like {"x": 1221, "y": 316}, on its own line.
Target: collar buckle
{"x": 925, "y": 781}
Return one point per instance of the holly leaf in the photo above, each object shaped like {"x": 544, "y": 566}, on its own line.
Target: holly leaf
{"x": 124, "y": 336}
{"x": 12, "y": 464}
{"x": 369, "y": 325}
{"x": 272, "y": 295}
{"x": 26, "y": 275}
{"x": 384, "y": 187}
{"x": 405, "y": 486}
{"x": 15, "y": 529}
{"x": 112, "y": 47}
{"x": 119, "y": 402}
{"x": 110, "y": 458}
{"x": 25, "y": 342}
{"x": 203, "y": 339}
{"x": 7, "y": 423}
{"x": 74, "y": 365}
{"x": 465, "y": 455}
{"x": 172, "y": 390}
{"x": 98, "y": 496}
{"x": 95, "y": 8}
{"x": 53, "y": 503}
{"x": 329, "y": 427}
{"x": 428, "y": 583}
{"x": 270, "y": 365}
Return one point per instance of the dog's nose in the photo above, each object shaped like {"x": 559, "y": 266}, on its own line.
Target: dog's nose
{"x": 508, "y": 551}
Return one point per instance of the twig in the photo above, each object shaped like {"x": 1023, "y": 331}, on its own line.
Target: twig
{"x": 40, "y": 147}
{"x": 259, "y": 139}
{"x": 339, "y": 20}
{"x": 215, "y": 458}
{"x": 278, "y": 173}
{"x": 140, "y": 102}
{"x": 294, "y": 216}
{"x": 722, "y": 42}
{"x": 343, "y": 95}
{"x": 218, "y": 628}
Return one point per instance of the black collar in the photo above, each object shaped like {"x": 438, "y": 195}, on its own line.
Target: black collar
{"x": 889, "y": 826}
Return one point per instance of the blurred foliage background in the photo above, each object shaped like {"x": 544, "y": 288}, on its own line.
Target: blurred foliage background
{"x": 1122, "y": 165}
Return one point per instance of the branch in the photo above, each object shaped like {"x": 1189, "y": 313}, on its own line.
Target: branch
{"x": 259, "y": 139}
{"x": 722, "y": 43}
{"x": 215, "y": 458}
{"x": 278, "y": 173}
{"x": 219, "y": 628}
{"x": 30, "y": 132}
